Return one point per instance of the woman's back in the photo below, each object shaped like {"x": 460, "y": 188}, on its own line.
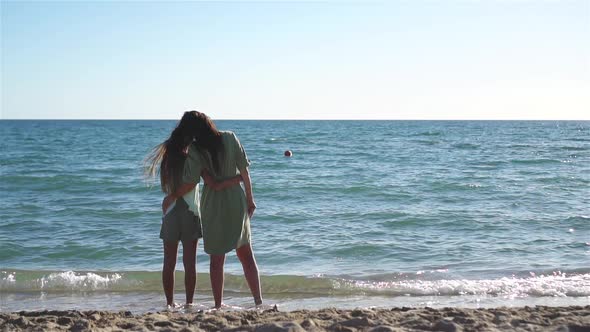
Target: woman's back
{"x": 226, "y": 224}
{"x": 231, "y": 159}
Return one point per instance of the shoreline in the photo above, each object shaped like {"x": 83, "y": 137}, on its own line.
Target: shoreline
{"x": 538, "y": 318}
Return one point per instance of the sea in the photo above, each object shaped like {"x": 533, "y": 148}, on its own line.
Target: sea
{"x": 363, "y": 214}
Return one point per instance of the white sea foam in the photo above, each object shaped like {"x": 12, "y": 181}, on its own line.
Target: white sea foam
{"x": 78, "y": 281}
{"x": 557, "y": 285}
{"x": 7, "y": 280}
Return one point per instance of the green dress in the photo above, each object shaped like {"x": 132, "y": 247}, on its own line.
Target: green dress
{"x": 224, "y": 214}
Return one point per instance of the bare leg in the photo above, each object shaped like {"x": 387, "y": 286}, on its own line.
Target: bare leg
{"x": 248, "y": 261}
{"x": 216, "y": 274}
{"x": 169, "y": 265}
{"x": 189, "y": 259}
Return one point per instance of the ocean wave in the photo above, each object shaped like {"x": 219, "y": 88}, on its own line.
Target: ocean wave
{"x": 445, "y": 186}
{"x": 535, "y": 161}
{"x": 574, "y": 148}
{"x": 466, "y": 146}
{"x": 487, "y": 164}
{"x": 545, "y": 285}
{"x": 429, "y": 133}
{"x": 578, "y": 139}
{"x": 578, "y": 221}
{"x": 426, "y": 142}
{"x": 421, "y": 283}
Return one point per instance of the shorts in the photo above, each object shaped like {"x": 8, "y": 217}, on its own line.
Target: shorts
{"x": 180, "y": 224}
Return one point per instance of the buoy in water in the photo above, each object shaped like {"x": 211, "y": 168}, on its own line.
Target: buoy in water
{"x": 288, "y": 153}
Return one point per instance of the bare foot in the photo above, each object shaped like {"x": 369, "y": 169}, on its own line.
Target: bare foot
{"x": 266, "y": 307}
{"x": 173, "y": 306}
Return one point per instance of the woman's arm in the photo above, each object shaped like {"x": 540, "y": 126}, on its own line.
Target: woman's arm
{"x": 210, "y": 181}
{"x": 245, "y": 174}
{"x": 185, "y": 188}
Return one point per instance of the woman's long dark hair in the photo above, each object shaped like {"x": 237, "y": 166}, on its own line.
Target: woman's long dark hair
{"x": 168, "y": 157}
{"x": 208, "y": 138}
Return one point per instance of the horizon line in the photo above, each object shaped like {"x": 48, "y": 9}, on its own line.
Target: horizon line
{"x": 271, "y": 119}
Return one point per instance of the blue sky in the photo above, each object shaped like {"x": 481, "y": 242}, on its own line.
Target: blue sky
{"x": 296, "y": 60}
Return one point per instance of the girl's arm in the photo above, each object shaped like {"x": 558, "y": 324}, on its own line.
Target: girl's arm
{"x": 186, "y": 187}
{"x": 245, "y": 174}
{"x": 210, "y": 181}
{"x": 181, "y": 191}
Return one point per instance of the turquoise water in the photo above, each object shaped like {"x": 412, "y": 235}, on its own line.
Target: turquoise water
{"x": 463, "y": 213}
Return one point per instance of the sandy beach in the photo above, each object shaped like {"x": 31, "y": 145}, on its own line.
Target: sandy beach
{"x": 540, "y": 318}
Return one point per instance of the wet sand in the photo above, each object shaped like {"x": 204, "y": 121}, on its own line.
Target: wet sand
{"x": 540, "y": 318}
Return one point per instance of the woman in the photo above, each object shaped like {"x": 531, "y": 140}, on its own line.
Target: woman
{"x": 181, "y": 220}
{"x": 227, "y": 212}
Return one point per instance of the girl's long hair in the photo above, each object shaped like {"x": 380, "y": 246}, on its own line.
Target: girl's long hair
{"x": 207, "y": 138}
{"x": 168, "y": 158}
